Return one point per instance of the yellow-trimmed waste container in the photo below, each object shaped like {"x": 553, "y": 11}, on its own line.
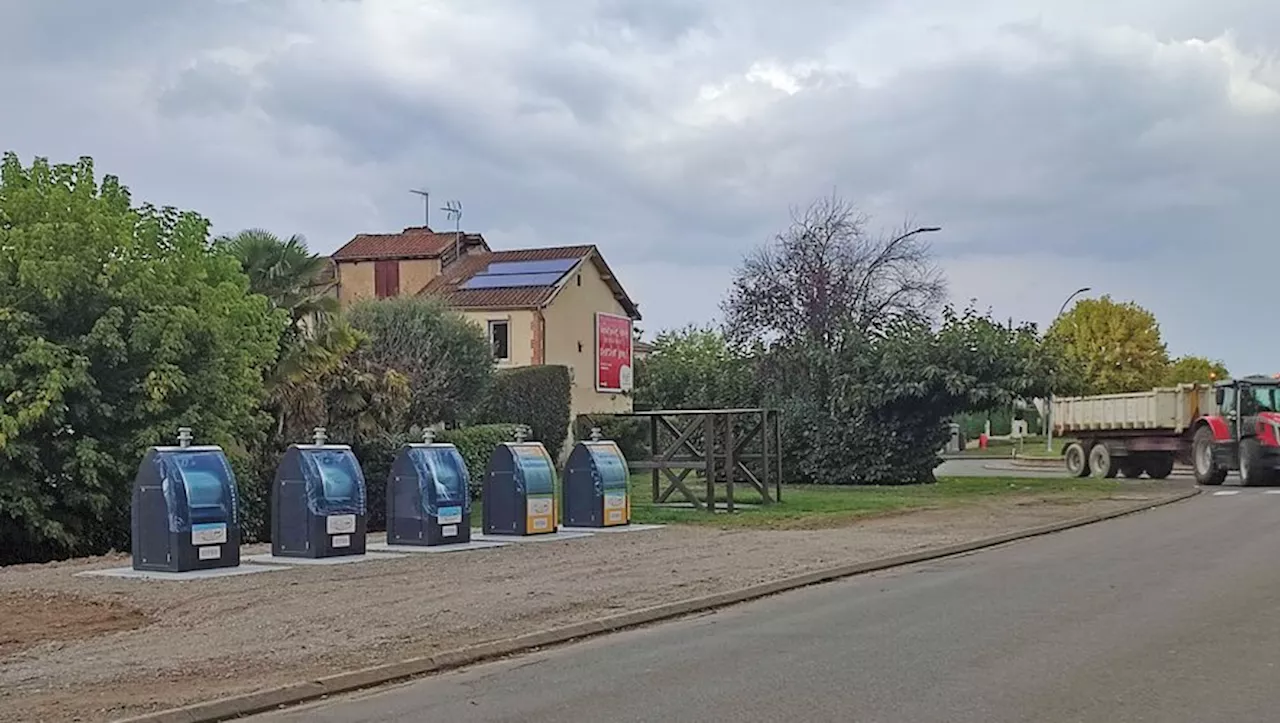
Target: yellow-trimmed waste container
{"x": 428, "y": 495}
{"x": 184, "y": 512}
{"x": 595, "y": 485}
{"x": 519, "y": 492}
{"x": 318, "y": 502}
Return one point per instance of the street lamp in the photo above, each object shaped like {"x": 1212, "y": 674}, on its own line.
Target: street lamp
{"x": 1048, "y": 407}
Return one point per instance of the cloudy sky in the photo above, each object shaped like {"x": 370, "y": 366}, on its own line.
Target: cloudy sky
{"x": 1132, "y": 146}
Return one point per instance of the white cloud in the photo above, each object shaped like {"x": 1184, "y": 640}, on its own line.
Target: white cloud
{"x": 1128, "y": 146}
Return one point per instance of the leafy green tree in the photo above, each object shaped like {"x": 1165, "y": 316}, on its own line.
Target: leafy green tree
{"x": 1194, "y": 370}
{"x": 117, "y": 326}
{"x": 695, "y": 368}
{"x": 445, "y": 357}
{"x": 1117, "y": 346}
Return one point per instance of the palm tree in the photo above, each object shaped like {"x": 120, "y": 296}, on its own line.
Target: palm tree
{"x": 316, "y": 340}
{"x": 287, "y": 273}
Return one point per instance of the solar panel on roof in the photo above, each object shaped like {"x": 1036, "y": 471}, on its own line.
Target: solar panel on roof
{"x": 511, "y": 281}
{"x": 545, "y": 266}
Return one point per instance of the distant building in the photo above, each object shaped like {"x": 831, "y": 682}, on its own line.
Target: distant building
{"x": 560, "y": 305}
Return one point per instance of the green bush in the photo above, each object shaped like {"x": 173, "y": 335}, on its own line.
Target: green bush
{"x": 476, "y": 445}
{"x": 536, "y": 396}
{"x": 631, "y": 434}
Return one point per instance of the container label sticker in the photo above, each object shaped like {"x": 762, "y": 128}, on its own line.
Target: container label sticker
{"x": 213, "y": 552}
{"x": 341, "y": 540}
{"x": 541, "y": 523}
{"x": 449, "y": 515}
{"x": 615, "y": 501}
{"x": 449, "y": 531}
{"x": 615, "y": 516}
{"x": 340, "y": 524}
{"x": 209, "y": 533}
{"x": 539, "y": 506}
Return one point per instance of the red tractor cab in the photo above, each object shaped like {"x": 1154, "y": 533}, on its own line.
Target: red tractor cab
{"x": 1243, "y": 435}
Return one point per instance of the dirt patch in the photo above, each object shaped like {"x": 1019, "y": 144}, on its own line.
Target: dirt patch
{"x": 29, "y": 618}
{"x": 223, "y": 636}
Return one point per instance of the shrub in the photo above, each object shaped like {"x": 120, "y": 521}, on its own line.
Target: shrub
{"x": 537, "y": 396}
{"x": 445, "y": 358}
{"x": 476, "y": 445}
{"x": 631, "y": 434}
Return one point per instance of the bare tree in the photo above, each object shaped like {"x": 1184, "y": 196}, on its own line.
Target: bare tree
{"x": 827, "y": 272}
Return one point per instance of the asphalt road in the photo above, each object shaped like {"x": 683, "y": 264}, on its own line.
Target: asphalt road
{"x": 1168, "y": 616}
{"x": 1005, "y": 468}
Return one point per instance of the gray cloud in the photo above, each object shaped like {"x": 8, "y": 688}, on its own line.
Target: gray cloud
{"x": 1126, "y": 147}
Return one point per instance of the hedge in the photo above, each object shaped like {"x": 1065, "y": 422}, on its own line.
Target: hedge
{"x": 631, "y": 434}
{"x": 536, "y": 396}
{"x": 476, "y": 445}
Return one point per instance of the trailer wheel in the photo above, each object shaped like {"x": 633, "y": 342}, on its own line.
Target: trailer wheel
{"x": 1077, "y": 461}
{"x": 1131, "y": 467}
{"x": 1100, "y": 462}
{"x": 1159, "y": 466}
{"x": 1207, "y": 473}
{"x": 1253, "y": 473}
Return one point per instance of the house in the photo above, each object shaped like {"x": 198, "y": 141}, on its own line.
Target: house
{"x": 559, "y": 305}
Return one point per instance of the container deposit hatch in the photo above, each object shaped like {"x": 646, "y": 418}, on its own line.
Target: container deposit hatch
{"x": 595, "y": 485}
{"x": 318, "y": 502}
{"x": 519, "y": 490}
{"x": 428, "y": 496}
{"x": 184, "y": 512}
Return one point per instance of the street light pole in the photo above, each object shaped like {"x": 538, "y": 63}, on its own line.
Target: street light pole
{"x": 1048, "y": 406}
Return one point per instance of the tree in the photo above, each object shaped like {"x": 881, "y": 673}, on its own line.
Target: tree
{"x": 1116, "y": 345}
{"x": 695, "y": 368}
{"x": 893, "y": 391}
{"x": 445, "y": 357}
{"x": 827, "y": 274}
{"x": 117, "y": 326}
{"x": 286, "y": 272}
{"x": 1194, "y": 370}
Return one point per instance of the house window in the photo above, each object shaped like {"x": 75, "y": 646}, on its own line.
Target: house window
{"x": 500, "y": 339}
{"x": 386, "y": 279}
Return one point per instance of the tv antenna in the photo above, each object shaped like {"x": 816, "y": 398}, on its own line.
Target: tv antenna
{"x": 426, "y": 206}
{"x": 453, "y": 211}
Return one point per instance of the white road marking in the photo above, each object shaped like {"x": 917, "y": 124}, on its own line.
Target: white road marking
{"x": 1271, "y": 492}
{"x": 1224, "y": 493}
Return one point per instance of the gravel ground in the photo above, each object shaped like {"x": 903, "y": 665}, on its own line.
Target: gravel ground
{"x": 98, "y": 649}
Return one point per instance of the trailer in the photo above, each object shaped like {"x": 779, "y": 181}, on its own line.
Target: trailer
{"x": 1233, "y": 425}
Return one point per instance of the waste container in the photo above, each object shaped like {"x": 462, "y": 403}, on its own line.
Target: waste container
{"x": 428, "y": 500}
{"x": 184, "y": 513}
{"x": 318, "y": 502}
{"x": 595, "y": 485}
{"x": 519, "y": 490}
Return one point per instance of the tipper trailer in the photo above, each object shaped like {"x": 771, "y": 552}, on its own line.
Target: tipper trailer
{"x": 1232, "y": 426}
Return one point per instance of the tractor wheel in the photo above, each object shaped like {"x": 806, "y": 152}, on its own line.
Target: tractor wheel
{"x": 1159, "y": 466}
{"x": 1077, "y": 461}
{"x": 1253, "y": 473}
{"x": 1131, "y": 467}
{"x": 1100, "y": 462}
{"x": 1207, "y": 471}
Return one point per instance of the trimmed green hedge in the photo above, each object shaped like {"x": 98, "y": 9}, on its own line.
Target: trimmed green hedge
{"x": 536, "y": 396}
{"x": 631, "y": 434}
{"x": 476, "y": 445}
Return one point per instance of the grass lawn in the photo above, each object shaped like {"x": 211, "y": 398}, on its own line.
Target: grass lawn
{"x": 819, "y": 506}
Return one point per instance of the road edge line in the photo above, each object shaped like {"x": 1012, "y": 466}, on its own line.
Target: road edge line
{"x": 236, "y": 706}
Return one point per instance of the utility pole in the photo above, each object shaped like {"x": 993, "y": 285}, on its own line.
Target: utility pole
{"x": 426, "y": 206}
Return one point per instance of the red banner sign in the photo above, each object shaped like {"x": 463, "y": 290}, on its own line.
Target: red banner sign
{"x": 613, "y": 353}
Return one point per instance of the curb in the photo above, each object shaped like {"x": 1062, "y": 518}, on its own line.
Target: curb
{"x": 265, "y": 700}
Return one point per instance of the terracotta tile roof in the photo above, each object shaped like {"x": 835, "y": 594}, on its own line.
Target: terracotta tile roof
{"x": 528, "y": 297}
{"x": 415, "y": 242}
